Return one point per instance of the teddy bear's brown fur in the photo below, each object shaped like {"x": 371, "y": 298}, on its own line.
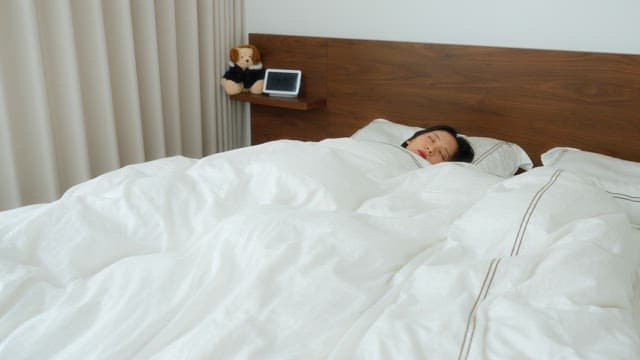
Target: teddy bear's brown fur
{"x": 245, "y": 71}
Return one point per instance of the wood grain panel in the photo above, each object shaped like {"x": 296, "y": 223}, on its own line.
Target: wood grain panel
{"x": 308, "y": 54}
{"x": 536, "y": 98}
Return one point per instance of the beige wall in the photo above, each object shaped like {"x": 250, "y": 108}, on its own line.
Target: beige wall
{"x": 605, "y": 26}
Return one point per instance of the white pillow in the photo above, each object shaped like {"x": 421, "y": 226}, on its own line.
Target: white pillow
{"x": 620, "y": 178}
{"x": 495, "y": 156}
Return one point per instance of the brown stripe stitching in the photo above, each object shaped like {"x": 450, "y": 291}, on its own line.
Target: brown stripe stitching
{"x": 465, "y": 348}
{"x": 527, "y": 215}
{"x": 471, "y": 320}
{"x": 626, "y": 197}
{"x": 489, "y": 151}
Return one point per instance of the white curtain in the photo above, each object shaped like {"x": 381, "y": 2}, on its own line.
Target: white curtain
{"x": 88, "y": 86}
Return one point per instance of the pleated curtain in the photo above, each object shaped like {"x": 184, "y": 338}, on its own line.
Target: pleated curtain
{"x": 88, "y": 86}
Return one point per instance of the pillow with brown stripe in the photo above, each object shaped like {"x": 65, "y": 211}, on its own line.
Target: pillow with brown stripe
{"x": 495, "y": 156}
{"x": 620, "y": 178}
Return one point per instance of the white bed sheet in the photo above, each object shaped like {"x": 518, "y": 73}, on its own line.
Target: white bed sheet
{"x": 340, "y": 249}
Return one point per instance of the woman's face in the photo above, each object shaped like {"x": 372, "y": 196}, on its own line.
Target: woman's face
{"x": 435, "y": 146}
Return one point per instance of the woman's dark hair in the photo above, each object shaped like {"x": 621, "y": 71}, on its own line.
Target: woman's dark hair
{"x": 465, "y": 151}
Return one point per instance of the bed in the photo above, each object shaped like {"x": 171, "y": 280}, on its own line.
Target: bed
{"x": 333, "y": 242}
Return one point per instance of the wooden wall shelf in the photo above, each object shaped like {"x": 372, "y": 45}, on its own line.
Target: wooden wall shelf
{"x": 299, "y": 103}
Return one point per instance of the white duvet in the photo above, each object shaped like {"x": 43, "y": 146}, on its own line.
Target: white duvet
{"x": 340, "y": 249}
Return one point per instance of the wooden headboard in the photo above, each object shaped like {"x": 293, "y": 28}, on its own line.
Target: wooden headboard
{"x": 536, "y": 98}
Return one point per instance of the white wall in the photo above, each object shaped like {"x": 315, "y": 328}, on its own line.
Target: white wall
{"x": 589, "y": 25}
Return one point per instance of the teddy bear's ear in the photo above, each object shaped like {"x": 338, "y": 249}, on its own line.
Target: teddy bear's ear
{"x": 255, "y": 55}
{"x": 234, "y": 55}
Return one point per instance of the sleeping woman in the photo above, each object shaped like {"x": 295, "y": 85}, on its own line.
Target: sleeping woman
{"x": 439, "y": 143}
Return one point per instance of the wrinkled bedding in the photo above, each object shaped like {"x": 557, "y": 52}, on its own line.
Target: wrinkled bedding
{"x": 339, "y": 249}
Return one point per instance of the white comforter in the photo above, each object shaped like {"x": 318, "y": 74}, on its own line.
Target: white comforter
{"x": 341, "y": 249}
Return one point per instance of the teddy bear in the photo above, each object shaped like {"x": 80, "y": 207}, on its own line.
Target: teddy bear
{"x": 245, "y": 71}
